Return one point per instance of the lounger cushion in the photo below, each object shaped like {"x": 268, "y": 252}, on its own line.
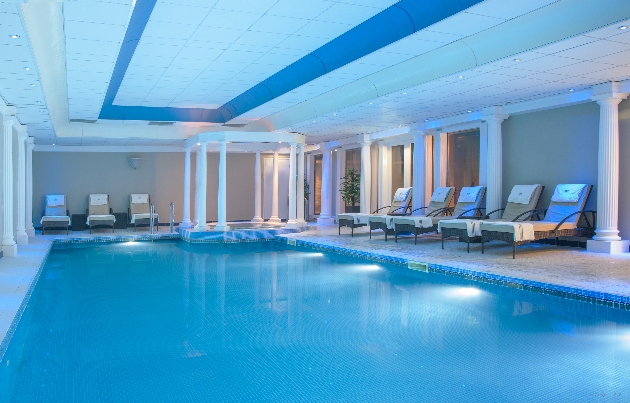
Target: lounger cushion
{"x": 385, "y": 219}
{"x": 140, "y": 208}
{"x": 135, "y": 217}
{"x": 539, "y": 226}
{"x": 59, "y": 219}
{"x": 513, "y": 210}
{"x": 557, "y": 211}
{"x": 100, "y": 217}
{"x": 416, "y": 221}
{"x": 55, "y": 211}
{"x": 101, "y": 209}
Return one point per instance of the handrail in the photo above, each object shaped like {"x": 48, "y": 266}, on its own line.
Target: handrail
{"x": 572, "y": 214}
{"x": 151, "y": 218}
{"x": 172, "y": 219}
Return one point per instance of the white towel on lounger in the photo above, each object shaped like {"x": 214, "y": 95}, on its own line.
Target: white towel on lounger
{"x": 139, "y": 198}
{"x": 472, "y": 226}
{"x": 401, "y": 194}
{"x": 439, "y": 194}
{"x": 523, "y": 231}
{"x": 566, "y": 193}
{"x": 422, "y": 221}
{"x": 469, "y": 194}
{"x": 54, "y": 200}
{"x": 98, "y": 199}
{"x": 361, "y": 218}
{"x": 522, "y": 194}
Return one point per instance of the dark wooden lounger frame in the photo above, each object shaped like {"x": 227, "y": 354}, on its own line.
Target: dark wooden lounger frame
{"x": 581, "y": 232}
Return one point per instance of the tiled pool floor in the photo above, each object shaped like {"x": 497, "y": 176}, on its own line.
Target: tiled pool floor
{"x": 572, "y": 267}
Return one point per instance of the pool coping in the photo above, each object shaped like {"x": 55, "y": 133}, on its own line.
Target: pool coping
{"x": 579, "y": 294}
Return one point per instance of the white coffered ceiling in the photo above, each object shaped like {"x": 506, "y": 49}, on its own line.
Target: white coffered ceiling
{"x": 201, "y": 54}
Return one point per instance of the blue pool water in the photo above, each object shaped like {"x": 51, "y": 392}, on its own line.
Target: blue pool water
{"x": 177, "y": 322}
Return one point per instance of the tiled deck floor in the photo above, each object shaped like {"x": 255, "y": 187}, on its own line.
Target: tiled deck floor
{"x": 572, "y": 267}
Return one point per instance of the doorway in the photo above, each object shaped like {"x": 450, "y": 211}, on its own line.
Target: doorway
{"x": 463, "y": 160}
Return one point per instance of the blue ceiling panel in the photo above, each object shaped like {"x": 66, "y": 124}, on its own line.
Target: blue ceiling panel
{"x": 392, "y": 24}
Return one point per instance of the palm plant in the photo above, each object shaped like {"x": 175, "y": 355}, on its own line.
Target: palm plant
{"x": 351, "y": 187}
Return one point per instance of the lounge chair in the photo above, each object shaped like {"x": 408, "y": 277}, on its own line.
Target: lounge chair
{"x": 99, "y": 213}
{"x": 140, "y": 210}
{"x": 356, "y": 220}
{"x": 441, "y": 199}
{"x": 401, "y": 204}
{"x": 468, "y": 205}
{"x": 561, "y": 219}
{"x": 522, "y": 200}
{"x": 56, "y": 215}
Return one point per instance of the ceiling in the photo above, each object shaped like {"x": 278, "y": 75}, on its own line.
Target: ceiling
{"x": 200, "y": 55}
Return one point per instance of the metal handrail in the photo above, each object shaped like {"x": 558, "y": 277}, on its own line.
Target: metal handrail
{"x": 172, "y": 220}
{"x": 151, "y": 218}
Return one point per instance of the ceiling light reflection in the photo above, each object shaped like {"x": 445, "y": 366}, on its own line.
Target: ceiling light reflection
{"x": 464, "y": 292}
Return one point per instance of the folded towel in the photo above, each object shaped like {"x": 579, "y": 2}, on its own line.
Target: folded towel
{"x": 422, "y": 221}
{"x": 389, "y": 219}
{"x": 523, "y": 231}
{"x": 472, "y": 226}
{"x": 55, "y": 200}
{"x": 56, "y": 218}
{"x": 439, "y": 194}
{"x": 469, "y": 194}
{"x": 522, "y": 194}
{"x": 402, "y": 194}
{"x": 361, "y": 218}
{"x": 143, "y": 216}
{"x": 139, "y": 198}
{"x": 98, "y": 199}
{"x": 100, "y": 217}
{"x": 567, "y": 193}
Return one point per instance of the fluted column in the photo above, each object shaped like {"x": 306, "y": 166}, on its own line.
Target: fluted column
{"x": 419, "y": 171}
{"x": 257, "y": 191}
{"x": 186, "y": 215}
{"x": 325, "y": 217}
{"x": 407, "y": 165}
{"x": 494, "y": 165}
{"x": 201, "y": 186}
{"x": 300, "y": 186}
{"x": 9, "y": 246}
{"x": 607, "y": 237}
{"x": 222, "y": 192}
{"x": 384, "y": 176}
{"x": 30, "y": 144}
{"x": 366, "y": 177}
{"x": 274, "y": 191}
{"x": 292, "y": 218}
{"x": 196, "y": 203}
{"x": 21, "y": 237}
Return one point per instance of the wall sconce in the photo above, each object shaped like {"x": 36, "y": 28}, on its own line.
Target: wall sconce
{"x": 134, "y": 162}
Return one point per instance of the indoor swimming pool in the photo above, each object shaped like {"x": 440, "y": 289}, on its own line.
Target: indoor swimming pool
{"x": 171, "y": 321}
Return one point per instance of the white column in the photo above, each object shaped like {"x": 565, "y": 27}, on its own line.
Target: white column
{"x": 186, "y": 216}
{"x": 325, "y": 213}
{"x": 222, "y": 191}
{"x": 21, "y": 237}
{"x": 310, "y": 178}
{"x": 274, "y": 191}
{"x": 366, "y": 176}
{"x": 407, "y": 165}
{"x": 419, "y": 172}
{"x": 196, "y": 204}
{"x": 257, "y": 191}
{"x": 384, "y": 176}
{"x": 494, "y": 161}
{"x": 341, "y": 172}
{"x": 201, "y": 186}
{"x": 292, "y": 218}
{"x": 300, "y": 186}
{"x": 9, "y": 247}
{"x": 607, "y": 239}
{"x": 30, "y": 144}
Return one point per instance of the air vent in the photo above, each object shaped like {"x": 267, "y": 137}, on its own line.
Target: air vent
{"x": 82, "y": 121}
{"x": 234, "y": 124}
{"x": 161, "y": 123}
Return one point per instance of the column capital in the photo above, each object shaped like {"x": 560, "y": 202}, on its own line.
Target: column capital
{"x": 300, "y": 146}
{"x": 222, "y": 143}
{"x": 22, "y": 132}
{"x": 30, "y": 141}
{"x": 8, "y": 121}
{"x": 494, "y": 114}
{"x": 610, "y": 98}
{"x": 608, "y": 91}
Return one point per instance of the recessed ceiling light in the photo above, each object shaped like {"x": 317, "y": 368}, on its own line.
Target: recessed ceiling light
{"x": 313, "y": 121}
{"x": 623, "y": 27}
{"x": 39, "y": 102}
{"x": 27, "y": 68}
{"x": 426, "y": 120}
{"x": 370, "y": 103}
{"x": 570, "y": 89}
{"x": 334, "y": 114}
{"x": 14, "y": 36}
{"x": 469, "y": 111}
{"x": 198, "y": 143}
{"x": 517, "y": 60}
{"x": 461, "y": 76}
{"x": 32, "y": 85}
{"x": 404, "y": 93}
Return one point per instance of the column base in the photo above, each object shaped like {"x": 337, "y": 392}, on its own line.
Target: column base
{"x": 221, "y": 228}
{"x": 30, "y": 232}
{"x": 274, "y": 220}
{"x": 609, "y": 247}
{"x": 9, "y": 250}
{"x": 185, "y": 224}
{"x": 257, "y": 220}
{"x": 325, "y": 221}
{"x": 22, "y": 239}
{"x": 293, "y": 225}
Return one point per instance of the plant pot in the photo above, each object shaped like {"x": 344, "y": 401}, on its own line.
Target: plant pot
{"x": 353, "y": 209}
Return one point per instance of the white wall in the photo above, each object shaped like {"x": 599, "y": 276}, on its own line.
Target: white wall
{"x": 77, "y": 174}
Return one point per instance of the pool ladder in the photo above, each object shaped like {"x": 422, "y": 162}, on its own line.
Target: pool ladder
{"x": 171, "y": 218}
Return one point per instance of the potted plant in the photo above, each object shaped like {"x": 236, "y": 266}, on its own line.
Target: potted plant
{"x": 351, "y": 190}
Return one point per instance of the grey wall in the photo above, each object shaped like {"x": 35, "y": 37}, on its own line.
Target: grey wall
{"x": 77, "y": 174}
{"x": 551, "y": 147}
